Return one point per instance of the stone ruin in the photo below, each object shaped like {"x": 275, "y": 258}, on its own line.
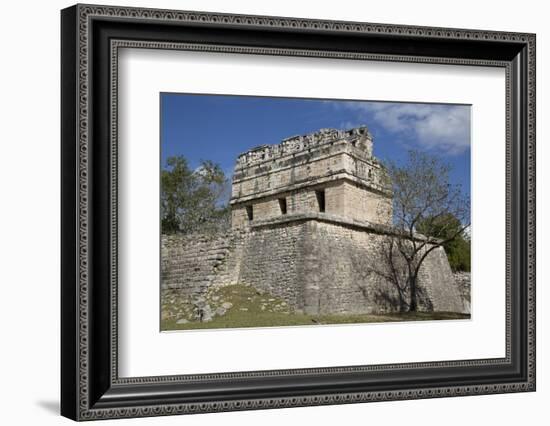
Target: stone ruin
{"x": 307, "y": 216}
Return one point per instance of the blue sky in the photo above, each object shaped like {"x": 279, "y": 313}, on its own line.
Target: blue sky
{"x": 219, "y": 128}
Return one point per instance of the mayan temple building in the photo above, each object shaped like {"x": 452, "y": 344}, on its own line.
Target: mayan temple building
{"x": 329, "y": 173}
{"x": 308, "y": 217}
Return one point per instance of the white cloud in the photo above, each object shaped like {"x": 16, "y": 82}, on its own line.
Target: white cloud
{"x": 442, "y": 127}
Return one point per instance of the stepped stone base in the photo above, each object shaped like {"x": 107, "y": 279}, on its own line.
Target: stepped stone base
{"x": 317, "y": 263}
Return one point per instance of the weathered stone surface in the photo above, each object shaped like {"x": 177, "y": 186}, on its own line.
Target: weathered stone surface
{"x": 337, "y": 163}
{"x": 463, "y": 282}
{"x": 192, "y": 263}
{"x": 315, "y": 259}
{"x": 205, "y": 313}
{"x": 322, "y": 267}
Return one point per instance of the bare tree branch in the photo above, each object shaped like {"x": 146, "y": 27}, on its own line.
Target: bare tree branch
{"x": 422, "y": 198}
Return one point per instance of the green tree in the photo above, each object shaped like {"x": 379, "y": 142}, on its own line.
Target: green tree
{"x": 457, "y": 248}
{"x": 192, "y": 200}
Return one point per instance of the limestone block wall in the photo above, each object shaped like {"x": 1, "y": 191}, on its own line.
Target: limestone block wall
{"x": 337, "y": 277}
{"x": 239, "y": 217}
{"x": 342, "y": 198}
{"x": 340, "y": 278}
{"x": 366, "y": 169}
{"x": 463, "y": 283}
{"x": 192, "y": 263}
{"x": 439, "y": 282}
{"x": 275, "y": 176}
{"x": 273, "y": 260}
{"x": 264, "y": 177}
{"x": 269, "y": 207}
{"x": 299, "y": 201}
{"x": 363, "y": 205}
{"x": 317, "y": 265}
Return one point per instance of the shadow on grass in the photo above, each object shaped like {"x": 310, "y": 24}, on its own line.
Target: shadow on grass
{"x": 251, "y": 308}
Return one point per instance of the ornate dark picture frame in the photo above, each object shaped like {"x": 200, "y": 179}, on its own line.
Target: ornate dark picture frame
{"x": 90, "y": 385}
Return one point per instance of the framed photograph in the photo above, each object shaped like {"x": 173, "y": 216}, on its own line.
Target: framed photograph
{"x": 263, "y": 212}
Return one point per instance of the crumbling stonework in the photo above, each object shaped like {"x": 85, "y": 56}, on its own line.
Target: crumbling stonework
{"x": 330, "y": 171}
{"x": 463, "y": 282}
{"x": 193, "y": 263}
{"x": 308, "y": 218}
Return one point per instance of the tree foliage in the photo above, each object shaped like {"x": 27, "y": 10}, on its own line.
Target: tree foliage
{"x": 191, "y": 200}
{"x": 458, "y": 248}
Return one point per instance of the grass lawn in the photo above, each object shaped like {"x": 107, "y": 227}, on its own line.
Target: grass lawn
{"x": 252, "y": 308}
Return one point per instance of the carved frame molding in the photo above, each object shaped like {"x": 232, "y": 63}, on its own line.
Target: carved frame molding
{"x": 91, "y": 388}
